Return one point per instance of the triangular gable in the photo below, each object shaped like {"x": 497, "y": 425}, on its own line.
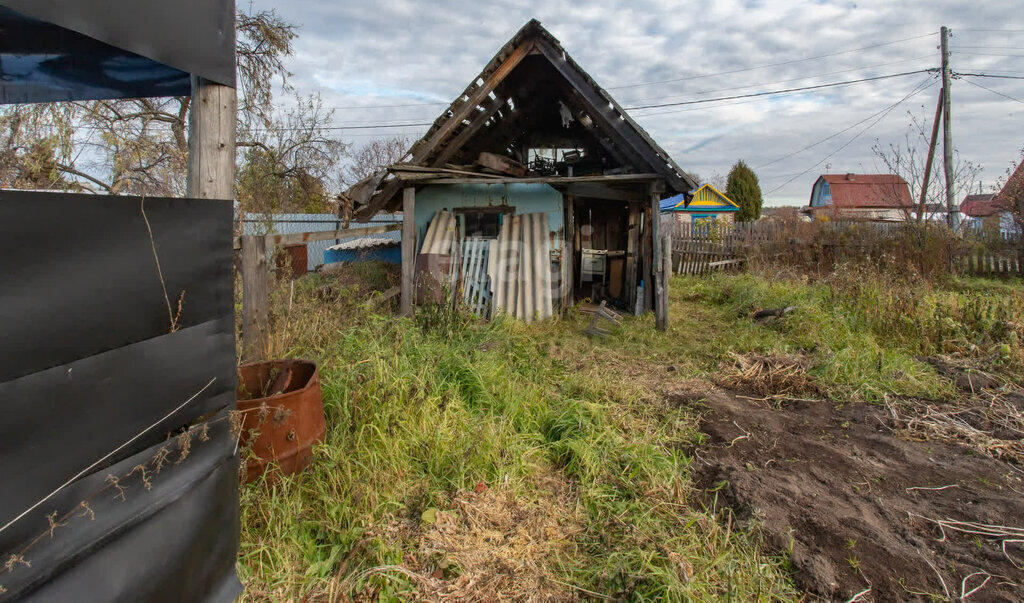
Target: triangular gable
{"x": 707, "y": 198}
{"x": 530, "y": 84}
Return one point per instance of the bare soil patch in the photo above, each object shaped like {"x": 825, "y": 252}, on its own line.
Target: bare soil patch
{"x": 860, "y": 507}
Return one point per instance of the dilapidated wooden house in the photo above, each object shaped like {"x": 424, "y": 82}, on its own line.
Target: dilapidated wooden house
{"x": 534, "y": 189}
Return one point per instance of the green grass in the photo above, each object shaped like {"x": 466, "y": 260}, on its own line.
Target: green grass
{"x": 416, "y": 414}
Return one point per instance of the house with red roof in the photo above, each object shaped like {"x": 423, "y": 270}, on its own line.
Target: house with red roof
{"x": 867, "y": 197}
{"x": 995, "y": 211}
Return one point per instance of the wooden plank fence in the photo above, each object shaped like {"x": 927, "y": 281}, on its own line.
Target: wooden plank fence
{"x": 703, "y": 249}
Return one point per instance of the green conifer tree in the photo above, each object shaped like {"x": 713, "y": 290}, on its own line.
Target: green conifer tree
{"x": 742, "y": 187}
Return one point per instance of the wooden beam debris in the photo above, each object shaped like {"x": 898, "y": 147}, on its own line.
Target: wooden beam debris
{"x": 553, "y": 180}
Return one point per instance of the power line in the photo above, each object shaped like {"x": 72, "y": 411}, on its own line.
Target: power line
{"x": 994, "y": 30}
{"x": 988, "y": 47}
{"x": 1001, "y": 77}
{"x": 826, "y": 139}
{"x": 785, "y": 91}
{"x": 991, "y": 54}
{"x": 820, "y": 56}
{"x": 695, "y": 77}
{"x": 674, "y": 104}
{"x": 917, "y": 89}
{"x": 994, "y": 91}
{"x": 795, "y": 79}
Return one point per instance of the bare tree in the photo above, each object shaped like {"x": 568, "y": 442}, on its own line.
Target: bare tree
{"x": 372, "y": 157}
{"x": 290, "y": 165}
{"x": 907, "y": 159}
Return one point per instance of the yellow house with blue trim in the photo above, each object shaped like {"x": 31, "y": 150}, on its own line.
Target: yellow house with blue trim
{"x": 707, "y": 204}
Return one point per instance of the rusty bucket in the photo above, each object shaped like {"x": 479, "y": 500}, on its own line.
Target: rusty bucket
{"x": 282, "y": 406}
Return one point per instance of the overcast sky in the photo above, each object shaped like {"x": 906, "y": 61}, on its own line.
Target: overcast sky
{"x": 366, "y": 57}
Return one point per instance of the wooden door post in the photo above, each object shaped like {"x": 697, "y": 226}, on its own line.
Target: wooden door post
{"x": 408, "y": 248}
{"x": 255, "y": 297}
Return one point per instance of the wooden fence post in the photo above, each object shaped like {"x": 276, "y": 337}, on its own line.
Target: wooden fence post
{"x": 664, "y": 272}
{"x": 255, "y": 297}
{"x": 408, "y": 248}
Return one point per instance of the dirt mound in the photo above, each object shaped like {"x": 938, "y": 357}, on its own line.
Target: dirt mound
{"x": 862, "y": 511}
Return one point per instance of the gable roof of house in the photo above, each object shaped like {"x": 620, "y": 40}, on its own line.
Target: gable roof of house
{"x": 531, "y": 80}
{"x": 705, "y": 199}
{"x": 1012, "y": 193}
{"x": 980, "y": 205}
{"x": 867, "y": 190}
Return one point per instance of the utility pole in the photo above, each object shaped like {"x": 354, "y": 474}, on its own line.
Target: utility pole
{"x": 947, "y": 134}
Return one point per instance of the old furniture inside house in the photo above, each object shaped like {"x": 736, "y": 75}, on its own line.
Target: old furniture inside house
{"x": 532, "y": 191}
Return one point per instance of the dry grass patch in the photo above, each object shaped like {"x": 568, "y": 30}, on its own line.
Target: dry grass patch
{"x": 488, "y": 545}
{"x": 773, "y": 375}
{"x": 991, "y": 424}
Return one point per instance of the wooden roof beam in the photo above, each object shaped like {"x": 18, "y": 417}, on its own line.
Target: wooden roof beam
{"x": 602, "y": 111}
{"x": 476, "y": 94}
{"x": 453, "y": 146}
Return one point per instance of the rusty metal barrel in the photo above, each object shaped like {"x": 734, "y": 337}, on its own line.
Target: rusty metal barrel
{"x": 282, "y": 414}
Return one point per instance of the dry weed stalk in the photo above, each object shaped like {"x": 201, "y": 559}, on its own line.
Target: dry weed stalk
{"x": 184, "y": 445}
{"x": 15, "y": 560}
{"x": 995, "y": 429}
{"x": 105, "y": 457}
{"x": 143, "y": 477}
{"x": 1004, "y": 534}
{"x": 114, "y": 482}
{"x": 776, "y": 376}
{"x": 83, "y": 509}
{"x": 159, "y": 272}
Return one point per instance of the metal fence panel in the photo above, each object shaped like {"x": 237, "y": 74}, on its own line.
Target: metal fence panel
{"x": 256, "y": 224}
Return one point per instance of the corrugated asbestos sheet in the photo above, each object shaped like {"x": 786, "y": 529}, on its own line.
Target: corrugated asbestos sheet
{"x": 440, "y": 234}
{"x": 521, "y": 268}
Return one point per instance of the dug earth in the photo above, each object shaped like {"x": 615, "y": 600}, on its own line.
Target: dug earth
{"x": 864, "y": 512}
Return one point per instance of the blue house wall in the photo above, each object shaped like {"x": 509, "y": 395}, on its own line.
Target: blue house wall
{"x": 524, "y": 198}
{"x": 821, "y": 194}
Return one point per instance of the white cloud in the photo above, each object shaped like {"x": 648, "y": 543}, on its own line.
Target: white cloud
{"x": 404, "y": 52}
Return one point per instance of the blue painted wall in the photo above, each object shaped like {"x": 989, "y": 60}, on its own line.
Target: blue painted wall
{"x": 525, "y": 198}
{"x": 821, "y": 194}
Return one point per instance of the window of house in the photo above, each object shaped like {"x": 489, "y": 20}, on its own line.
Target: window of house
{"x": 481, "y": 224}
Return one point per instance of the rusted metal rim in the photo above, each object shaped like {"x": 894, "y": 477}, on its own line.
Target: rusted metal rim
{"x": 282, "y": 414}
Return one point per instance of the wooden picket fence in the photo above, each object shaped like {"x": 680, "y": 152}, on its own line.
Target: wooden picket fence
{"x": 699, "y": 250}
{"x": 701, "y": 256}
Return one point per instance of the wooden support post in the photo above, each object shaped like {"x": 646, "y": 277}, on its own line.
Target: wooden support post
{"x": 211, "y": 141}
{"x": 255, "y": 297}
{"x": 646, "y": 253}
{"x": 654, "y": 269}
{"x": 408, "y": 248}
{"x": 632, "y": 248}
{"x": 569, "y": 253}
{"x": 664, "y": 270}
